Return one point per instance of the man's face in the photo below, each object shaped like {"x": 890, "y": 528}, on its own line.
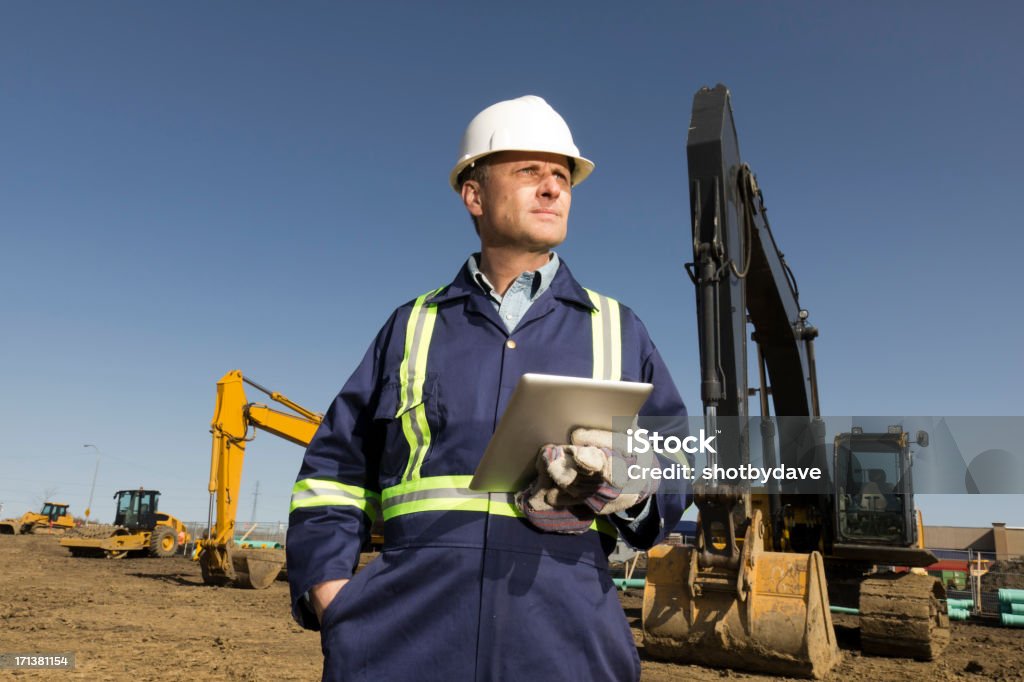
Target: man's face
{"x": 524, "y": 200}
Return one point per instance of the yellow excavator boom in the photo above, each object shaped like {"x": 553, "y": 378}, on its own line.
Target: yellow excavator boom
{"x": 233, "y": 424}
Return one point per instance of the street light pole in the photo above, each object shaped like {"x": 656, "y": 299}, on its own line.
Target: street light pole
{"x": 94, "y": 473}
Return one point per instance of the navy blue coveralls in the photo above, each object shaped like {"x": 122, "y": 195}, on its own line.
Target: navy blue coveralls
{"x": 465, "y": 588}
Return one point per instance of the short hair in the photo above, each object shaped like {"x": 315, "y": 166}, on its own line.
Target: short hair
{"x": 476, "y": 171}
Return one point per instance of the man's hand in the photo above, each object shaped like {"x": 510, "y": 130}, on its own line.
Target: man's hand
{"x": 323, "y": 594}
{"x": 578, "y": 481}
{"x": 617, "y": 491}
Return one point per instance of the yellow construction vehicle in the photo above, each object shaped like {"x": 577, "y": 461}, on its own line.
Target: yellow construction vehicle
{"x": 139, "y": 528}
{"x": 233, "y": 425}
{"x": 53, "y": 519}
{"x": 769, "y": 562}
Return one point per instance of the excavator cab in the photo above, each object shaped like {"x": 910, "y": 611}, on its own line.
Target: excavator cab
{"x": 136, "y": 509}
{"x": 873, "y": 488}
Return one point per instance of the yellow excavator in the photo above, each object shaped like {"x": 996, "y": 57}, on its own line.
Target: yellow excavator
{"x": 234, "y": 422}
{"x": 770, "y": 561}
{"x": 53, "y": 519}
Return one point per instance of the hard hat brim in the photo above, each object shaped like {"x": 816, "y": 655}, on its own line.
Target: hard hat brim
{"x": 582, "y": 167}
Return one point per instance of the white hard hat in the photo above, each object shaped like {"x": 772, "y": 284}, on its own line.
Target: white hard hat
{"x": 525, "y": 124}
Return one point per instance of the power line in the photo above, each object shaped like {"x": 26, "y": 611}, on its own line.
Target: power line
{"x": 255, "y": 499}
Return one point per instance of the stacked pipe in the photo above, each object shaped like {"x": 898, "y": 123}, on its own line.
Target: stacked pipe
{"x": 1011, "y": 607}
{"x": 630, "y": 584}
{"x": 959, "y": 609}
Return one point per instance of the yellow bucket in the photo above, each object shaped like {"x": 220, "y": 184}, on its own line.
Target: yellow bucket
{"x": 769, "y": 616}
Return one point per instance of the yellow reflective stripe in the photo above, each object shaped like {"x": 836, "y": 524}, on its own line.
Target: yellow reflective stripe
{"x": 315, "y": 492}
{"x": 412, "y": 374}
{"x": 597, "y": 334}
{"x": 429, "y": 483}
{"x": 420, "y": 414}
{"x": 603, "y": 525}
{"x": 606, "y": 332}
{"x": 473, "y": 504}
{"x": 503, "y": 508}
{"x": 451, "y": 493}
{"x": 615, "y": 324}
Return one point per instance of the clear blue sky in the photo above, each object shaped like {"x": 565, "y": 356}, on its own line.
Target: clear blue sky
{"x": 188, "y": 188}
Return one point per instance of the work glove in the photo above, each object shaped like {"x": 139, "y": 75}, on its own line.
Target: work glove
{"x": 616, "y": 491}
{"x": 578, "y": 481}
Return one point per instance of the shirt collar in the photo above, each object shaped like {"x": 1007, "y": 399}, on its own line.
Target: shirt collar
{"x": 563, "y": 286}
{"x": 542, "y": 277}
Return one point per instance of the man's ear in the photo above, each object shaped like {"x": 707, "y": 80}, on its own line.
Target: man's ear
{"x": 472, "y": 197}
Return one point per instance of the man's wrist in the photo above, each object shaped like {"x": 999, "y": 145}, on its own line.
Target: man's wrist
{"x": 322, "y": 594}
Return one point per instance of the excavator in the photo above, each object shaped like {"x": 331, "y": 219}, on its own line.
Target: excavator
{"x": 770, "y": 561}
{"x": 52, "y": 519}
{"x": 234, "y": 421}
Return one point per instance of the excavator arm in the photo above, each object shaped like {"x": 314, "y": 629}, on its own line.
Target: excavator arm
{"x": 754, "y": 592}
{"x": 234, "y": 423}
{"x": 741, "y": 277}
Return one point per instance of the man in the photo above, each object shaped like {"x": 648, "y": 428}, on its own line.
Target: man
{"x": 476, "y": 586}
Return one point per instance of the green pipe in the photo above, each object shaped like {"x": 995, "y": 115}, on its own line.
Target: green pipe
{"x": 1015, "y": 609}
{"x": 958, "y": 614}
{"x": 1012, "y": 620}
{"x": 960, "y": 603}
{"x": 631, "y": 584}
{"x": 844, "y": 609}
{"x": 1008, "y": 596}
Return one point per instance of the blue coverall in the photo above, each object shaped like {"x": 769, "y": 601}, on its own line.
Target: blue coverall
{"x": 465, "y": 588}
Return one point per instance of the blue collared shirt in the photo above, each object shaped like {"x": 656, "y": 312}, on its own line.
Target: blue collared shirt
{"x": 526, "y": 289}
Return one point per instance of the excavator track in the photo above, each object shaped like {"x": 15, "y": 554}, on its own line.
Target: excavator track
{"x": 903, "y": 615}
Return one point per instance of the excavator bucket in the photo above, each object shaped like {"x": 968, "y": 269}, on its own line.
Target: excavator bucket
{"x": 10, "y": 527}
{"x": 770, "y": 616}
{"x": 257, "y": 568}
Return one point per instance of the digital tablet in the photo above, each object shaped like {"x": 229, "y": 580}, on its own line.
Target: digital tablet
{"x": 545, "y": 408}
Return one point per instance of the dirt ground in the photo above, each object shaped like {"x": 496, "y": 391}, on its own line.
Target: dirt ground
{"x": 153, "y": 619}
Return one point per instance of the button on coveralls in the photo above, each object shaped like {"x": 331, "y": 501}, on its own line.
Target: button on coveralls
{"x": 465, "y": 588}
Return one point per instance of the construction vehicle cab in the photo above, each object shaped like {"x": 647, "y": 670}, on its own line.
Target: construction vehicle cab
{"x": 139, "y": 528}
{"x": 874, "y": 488}
{"x": 54, "y": 511}
{"x": 136, "y": 509}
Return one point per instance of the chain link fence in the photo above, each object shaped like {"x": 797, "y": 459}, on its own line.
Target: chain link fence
{"x": 261, "y": 534}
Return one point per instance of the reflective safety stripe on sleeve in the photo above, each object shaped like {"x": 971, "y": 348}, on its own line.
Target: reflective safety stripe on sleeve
{"x": 606, "y": 327}
{"x": 412, "y": 375}
{"x": 452, "y": 493}
{"x": 318, "y": 492}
